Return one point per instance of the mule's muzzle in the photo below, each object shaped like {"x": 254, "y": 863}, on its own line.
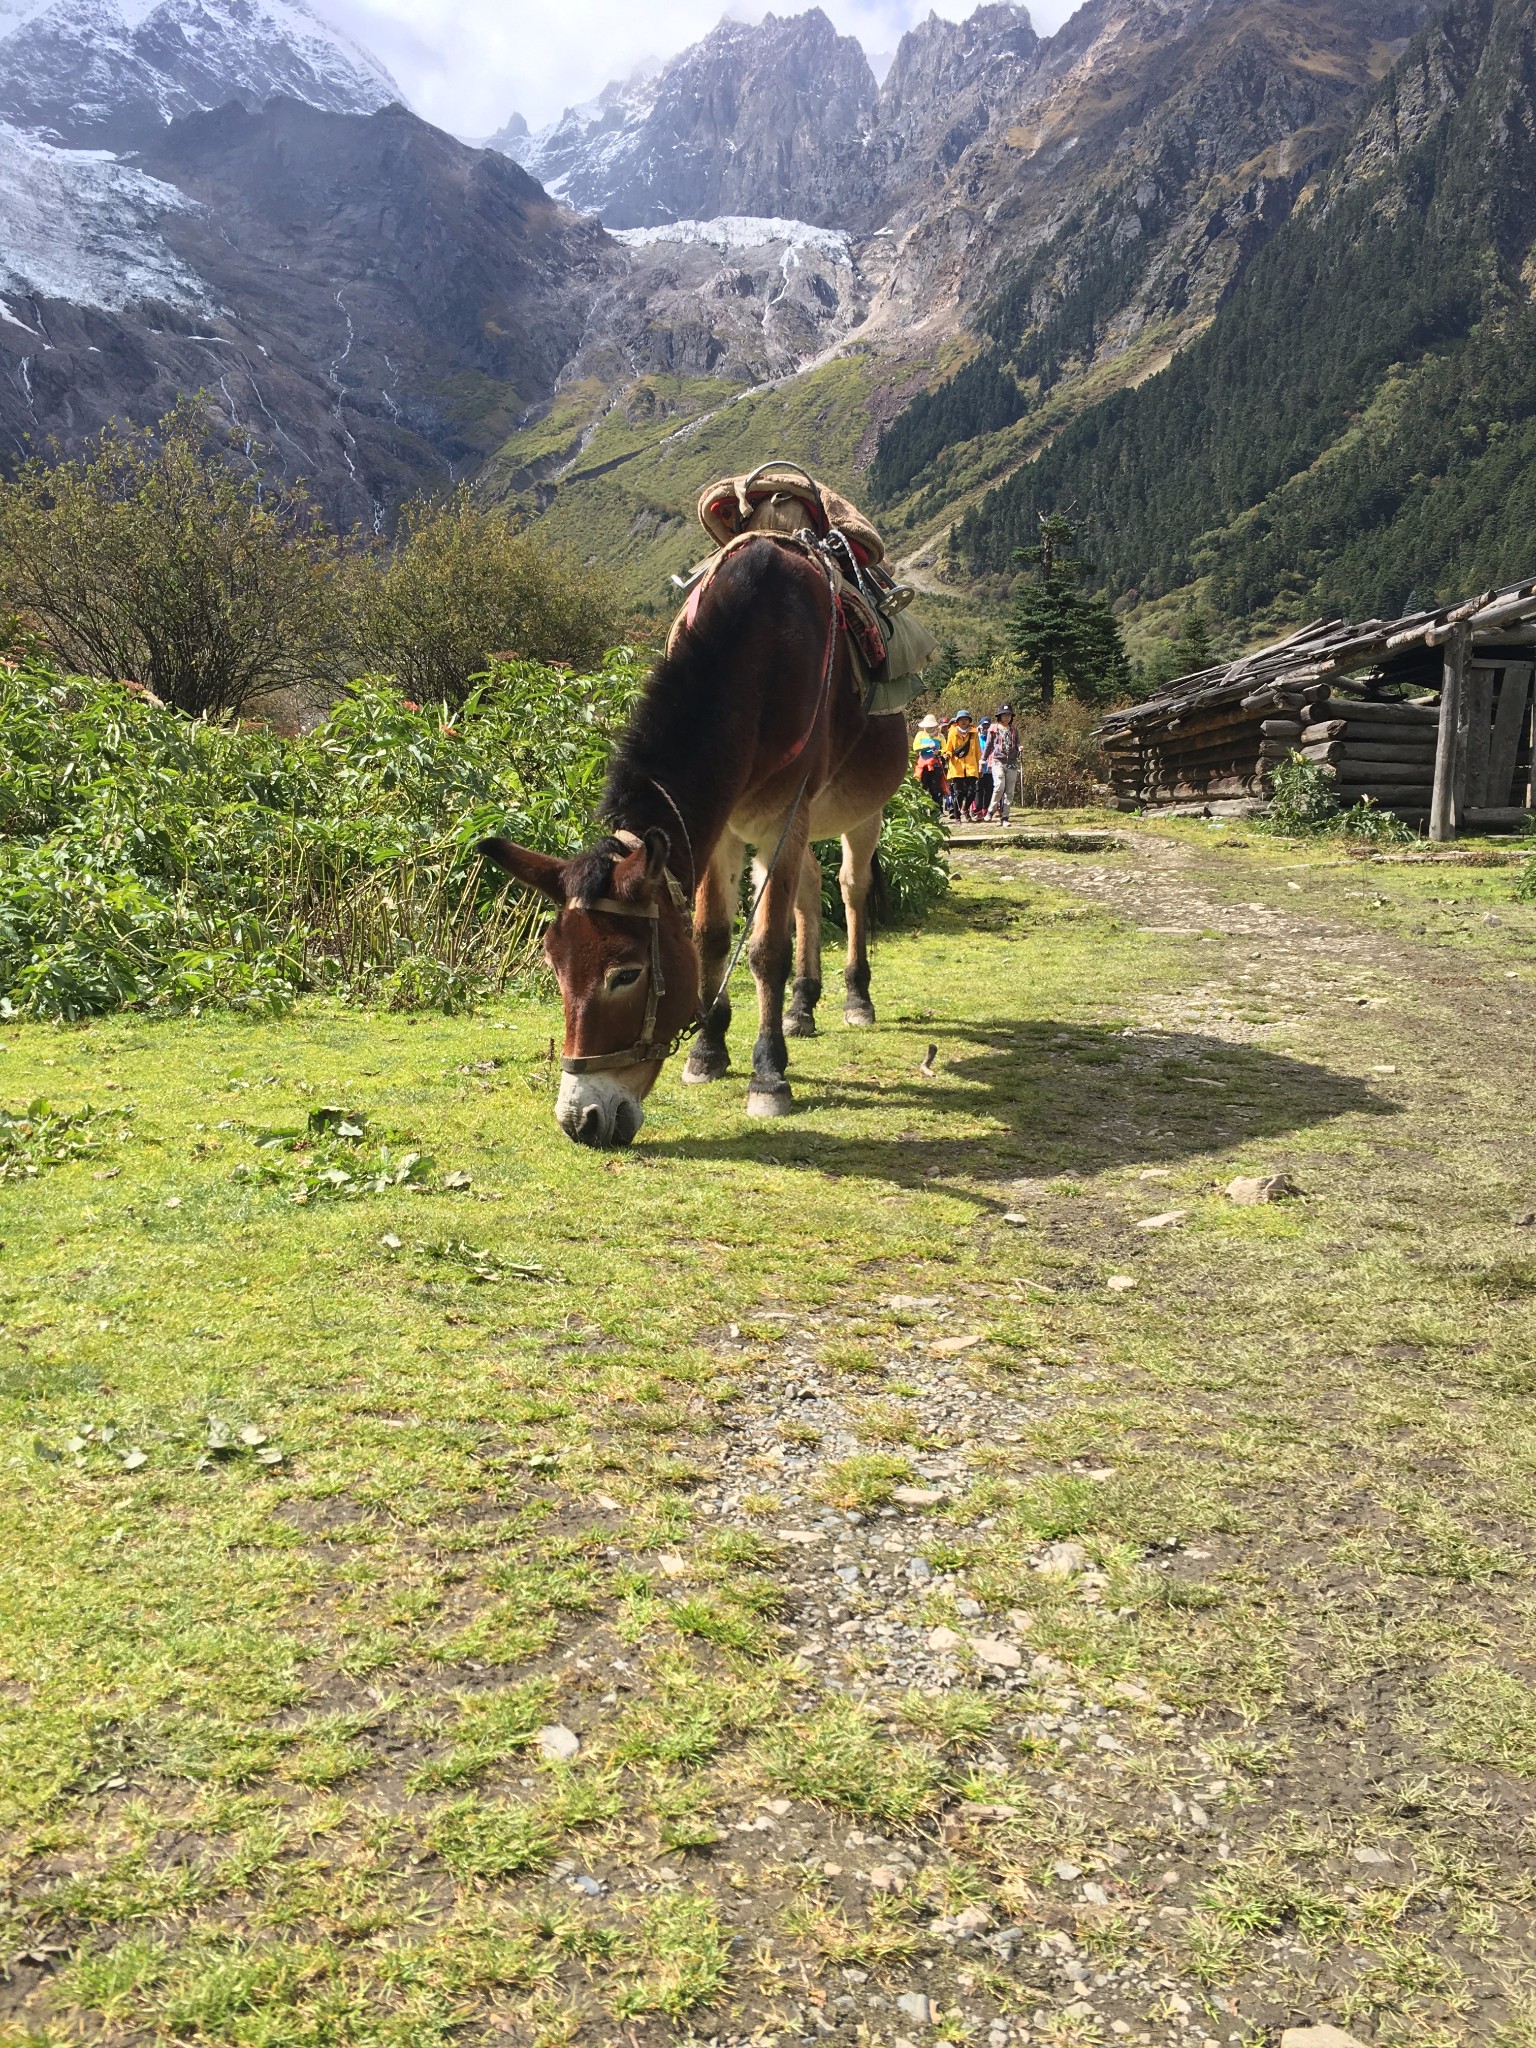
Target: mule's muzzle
{"x": 594, "y": 1110}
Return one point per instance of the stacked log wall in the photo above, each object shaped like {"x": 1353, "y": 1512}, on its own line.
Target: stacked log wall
{"x": 1208, "y": 751}
{"x": 1375, "y": 749}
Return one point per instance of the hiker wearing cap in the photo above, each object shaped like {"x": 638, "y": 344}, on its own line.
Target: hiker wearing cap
{"x": 928, "y": 759}
{"x": 962, "y": 765}
{"x": 1003, "y": 759}
{"x": 983, "y": 801}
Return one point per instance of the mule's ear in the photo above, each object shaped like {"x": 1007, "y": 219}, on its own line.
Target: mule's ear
{"x": 657, "y": 846}
{"x": 539, "y": 871}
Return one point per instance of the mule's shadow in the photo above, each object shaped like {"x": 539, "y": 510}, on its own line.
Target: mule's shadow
{"x": 1040, "y": 1098}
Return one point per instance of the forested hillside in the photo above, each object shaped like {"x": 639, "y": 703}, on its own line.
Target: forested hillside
{"x": 1358, "y": 424}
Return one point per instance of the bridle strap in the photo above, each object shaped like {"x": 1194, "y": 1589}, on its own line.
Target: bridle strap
{"x": 613, "y": 906}
{"x": 645, "y": 1046}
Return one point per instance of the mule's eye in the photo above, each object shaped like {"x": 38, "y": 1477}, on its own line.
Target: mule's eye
{"x": 624, "y": 977}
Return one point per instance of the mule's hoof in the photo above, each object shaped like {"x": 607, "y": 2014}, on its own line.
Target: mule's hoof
{"x": 858, "y": 1013}
{"x": 715, "y": 1069}
{"x": 770, "y": 1101}
{"x": 800, "y": 1024}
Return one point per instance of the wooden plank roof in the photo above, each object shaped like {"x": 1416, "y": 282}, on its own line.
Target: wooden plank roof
{"x": 1325, "y": 649}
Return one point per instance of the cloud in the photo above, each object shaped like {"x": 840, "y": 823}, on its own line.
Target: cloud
{"x": 467, "y": 64}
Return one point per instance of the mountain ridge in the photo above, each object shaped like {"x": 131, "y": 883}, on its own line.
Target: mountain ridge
{"x": 96, "y": 74}
{"x": 943, "y": 291}
{"x": 760, "y": 119}
{"x": 372, "y": 301}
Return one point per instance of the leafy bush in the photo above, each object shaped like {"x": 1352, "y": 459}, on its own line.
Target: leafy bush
{"x": 461, "y": 587}
{"x": 1060, "y": 761}
{"x": 149, "y": 557}
{"x": 1304, "y": 801}
{"x": 146, "y": 859}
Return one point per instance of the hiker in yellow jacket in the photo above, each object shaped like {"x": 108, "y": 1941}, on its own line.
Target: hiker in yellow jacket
{"x": 962, "y": 764}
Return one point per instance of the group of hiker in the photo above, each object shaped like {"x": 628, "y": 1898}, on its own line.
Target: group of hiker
{"x": 970, "y": 768}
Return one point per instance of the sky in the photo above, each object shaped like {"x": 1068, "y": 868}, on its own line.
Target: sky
{"x": 467, "y": 64}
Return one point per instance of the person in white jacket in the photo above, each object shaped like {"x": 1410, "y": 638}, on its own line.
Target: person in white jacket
{"x": 1002, "y": 757}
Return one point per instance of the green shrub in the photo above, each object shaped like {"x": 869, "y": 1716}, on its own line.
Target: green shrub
{"x": 1302, "y": 798}
{"x": 149, "y": 556}
{"x": 1060, "y": 762}
{"x": 152, "y": 861}
{"x": 1304, "y": 801}
{"x": 461, "y": 587}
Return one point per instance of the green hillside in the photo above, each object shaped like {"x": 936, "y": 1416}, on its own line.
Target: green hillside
{"x": 626, "y": 498}
{"x": 1358, "y": 424}
{"x": 1355, "y": 427}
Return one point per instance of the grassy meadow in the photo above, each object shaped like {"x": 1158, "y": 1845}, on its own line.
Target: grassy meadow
{"x": 931, "y": 1569}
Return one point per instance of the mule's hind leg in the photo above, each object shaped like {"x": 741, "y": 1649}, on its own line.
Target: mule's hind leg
{"x": 854, "y": 877}
{"x": 806, "y": 993}
{"x": 771, "y": 952}
{"x": 714, "y": 913}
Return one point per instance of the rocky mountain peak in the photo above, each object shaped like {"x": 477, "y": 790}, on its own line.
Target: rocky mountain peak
{"x": 114, "y": 72}
{"x": 761, "y": 119}
{"x": 938, "y": 55}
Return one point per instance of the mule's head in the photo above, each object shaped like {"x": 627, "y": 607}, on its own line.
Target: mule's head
{"x": 623, "y": 953}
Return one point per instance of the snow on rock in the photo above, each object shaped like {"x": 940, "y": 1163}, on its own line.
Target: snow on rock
{"x": 75, "y": 224}
{"x": 116, "y": 70}
{"x": 734, "y": 232}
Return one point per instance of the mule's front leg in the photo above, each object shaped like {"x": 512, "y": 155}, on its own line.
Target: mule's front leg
{"x": 806, "y": 993}
{"x": 771, "y": 953}
{"x": 855, "y": 876}
{"x": 714, "y": 914}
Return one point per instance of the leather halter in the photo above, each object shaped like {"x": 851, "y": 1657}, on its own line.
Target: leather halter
{"x": 646, "y": 1046}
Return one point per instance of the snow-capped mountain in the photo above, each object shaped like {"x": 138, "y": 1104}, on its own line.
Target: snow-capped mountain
{"x": 113, "y": 72}
{"x": 373, "y": 302}
{"x": 765, "y": 119}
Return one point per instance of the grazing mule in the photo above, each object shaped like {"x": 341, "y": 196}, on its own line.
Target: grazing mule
{"x": 751, "y": 731}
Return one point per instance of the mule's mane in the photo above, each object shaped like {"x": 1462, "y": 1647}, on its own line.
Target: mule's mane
{"x": 685, "y": 703}
{"x": 590, "y": 875}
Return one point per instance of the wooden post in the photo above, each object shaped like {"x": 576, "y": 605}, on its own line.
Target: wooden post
{"x": 1450, "y": 751}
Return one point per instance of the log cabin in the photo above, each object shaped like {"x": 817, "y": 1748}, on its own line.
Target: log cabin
{"x": 1429, "y": 716}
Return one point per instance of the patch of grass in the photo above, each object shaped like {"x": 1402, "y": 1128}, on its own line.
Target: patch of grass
{"x": 1486, "y": 1717}
{"x": 958, "y": 1718}
{"x": 237, "y": 1704}
{"x": 485, "y": 1842}
{"x": 866, "y": 1480}
{"x": 487, "y": 1729}
{"x": 41, "y": 1136}
{"x": 685, "y": 1950}
{"x": 886, "y": 1423}
{"x": 843, "y": 1354}
{"x": 838, "y": 1757}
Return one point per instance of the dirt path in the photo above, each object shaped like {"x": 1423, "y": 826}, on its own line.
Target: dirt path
{"x": 1307, "y": 1823}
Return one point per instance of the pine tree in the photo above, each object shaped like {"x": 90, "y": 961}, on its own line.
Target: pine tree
{"x": 1064, "y": 634}
{"x": 1194, "y": 647}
